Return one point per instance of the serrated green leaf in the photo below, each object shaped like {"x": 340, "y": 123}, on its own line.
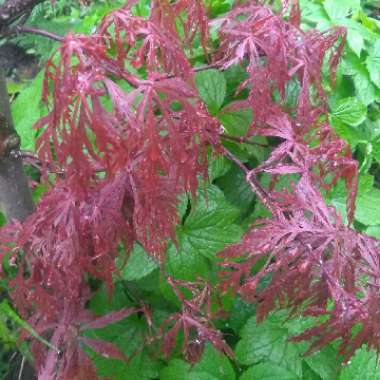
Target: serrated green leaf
{"x": 308, "y": 373}
{"x": 341, "y": 10}
{"x": 373, "y": 63}
{"x": 210, "y": 224}
{"x": 140, "y": 367}
{"x": 349, "y": 111}
{"x": 313, "y": 12}
{"x": 215, "y": 363}
{"x": 211, "y": 85}
{"x": 355, "y": 41}
{"x": 324, "y": 363}
{"x": 101, "y": 304}
{"x": 212, "y": 366}
{"x": 139, "y": 265}
{"x": 350, "y": 134}
{"x": 26, "y": 111}
{"x": 236, "y": 189}
{"x": 208, "y": 228}
{"x": 376, "y": 150}
{"x": 236, "y": 123}
{"x": 373, "y": 231}
{"x": 268, "y": 341}
{"x": 185, "y": 265}
{"x": 240, "y": 312}
{"x": 176, "y": 369}
{"x": 218, "y": 166}
{"x": 364, "y": 89}
{"x": 366, "y": 182}
{"x": 368, "y": 208}
{"x": 362, "y": 366}
{"x": 268, "y": 371}
{"x": 202, "y": 376}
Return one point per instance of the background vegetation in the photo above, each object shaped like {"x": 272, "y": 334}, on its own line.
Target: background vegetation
{"x": 225, "y": 208}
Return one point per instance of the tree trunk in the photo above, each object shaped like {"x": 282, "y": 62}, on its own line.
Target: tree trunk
{"x": 15, "y": 196}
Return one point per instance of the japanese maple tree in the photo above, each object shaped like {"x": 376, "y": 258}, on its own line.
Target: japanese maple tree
{"x": 128, "y": 133}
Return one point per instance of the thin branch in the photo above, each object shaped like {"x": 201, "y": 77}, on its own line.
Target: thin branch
{"x": 21, "y": 368}
{"x": 242, "y": 140}
{"x": 40, "y": 32}
{"x": 31, "y": 159}
{"x": 22, "y": 29}
{"x": 253, "y": 182}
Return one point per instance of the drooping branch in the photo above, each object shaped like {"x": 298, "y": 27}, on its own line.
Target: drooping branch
{"x": 21, "y": 29}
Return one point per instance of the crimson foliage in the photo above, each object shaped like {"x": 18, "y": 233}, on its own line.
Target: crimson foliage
{"x": 130, "y": 133}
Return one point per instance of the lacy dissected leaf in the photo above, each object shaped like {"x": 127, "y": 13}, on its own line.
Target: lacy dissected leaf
{"x": 308, "y": 264}
{"x": 193, "y": 321}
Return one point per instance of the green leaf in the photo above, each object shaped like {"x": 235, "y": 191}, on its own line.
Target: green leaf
{"x": 236, "y": 123}
{"x": 240, "y": 312}
{"x": 364, "y": 89}
{"x": 218, "y": 166}
{"x": 140, "y": 367}
{"x": 127, "y": 335}
{"x": 373, "y": 231}
{"x": 341, "y": 10}
{"x": 208, "y": 228}
{"x": 349, "y": 111}
{"x": 176, "y": 369}
{"x": 324, "y": 363}
{"x": 138, "y": 266}
{"x": 363, "y": 366}
{"x": 101, "y": 304}
{"x": 308, "y": 373}
{"x": 368, "y": 208}
{"x": 373, "y": 63}
{"x": 268, "y": 341}
{"x": 355, "y": 41}
{"x": 366, "y": 182}
{"x": 312, "y": 12}
{"x": 210, "y": 224}
{"x": 268, "y": 371}
{"x": 212, "y": 88}
{"x": 215, "y": 363}
{"x": 184, "y": 265}
{"x": 212, "y": 366}
{"x": 351, "y": 135}
{"x": 26, "y": 111}
{"x": 236, "y": 189}
{"x": 376, "y": 150}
